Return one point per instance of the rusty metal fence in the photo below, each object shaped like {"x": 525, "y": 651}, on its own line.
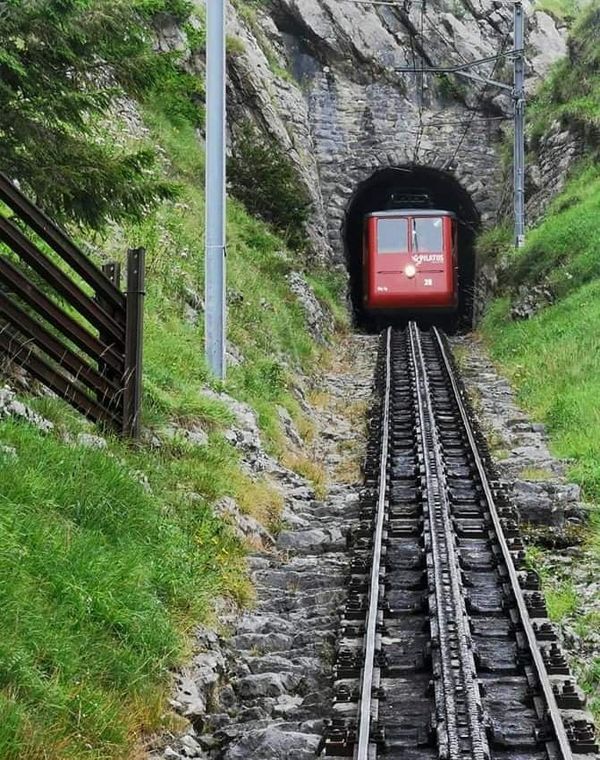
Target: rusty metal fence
{"x": 71, "y": 328}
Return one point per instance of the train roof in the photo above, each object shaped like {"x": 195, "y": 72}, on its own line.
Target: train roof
{"x": 413, "y": 212}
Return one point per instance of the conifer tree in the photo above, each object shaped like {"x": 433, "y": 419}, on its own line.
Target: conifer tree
{"x": 63, "y": 64}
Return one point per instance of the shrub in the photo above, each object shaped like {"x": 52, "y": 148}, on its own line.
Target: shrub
{"x": 54, "y": 97}
{"x": 266, "y": 182}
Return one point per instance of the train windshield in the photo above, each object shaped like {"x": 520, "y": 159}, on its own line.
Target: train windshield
{"x": 427, "y": 235}
{"x": 392, "y": 235}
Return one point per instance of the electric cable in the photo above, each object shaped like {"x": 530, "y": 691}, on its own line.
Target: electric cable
{"x": 421, "y": 91}
{"x": 479, "y": 101}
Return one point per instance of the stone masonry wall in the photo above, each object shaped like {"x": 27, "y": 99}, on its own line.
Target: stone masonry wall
{"x": 320, "y": 77}
{"x": 557, "y": 152}
{"x": 345, "y": 111}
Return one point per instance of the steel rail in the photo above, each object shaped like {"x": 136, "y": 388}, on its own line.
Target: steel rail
{"x": 460, "y": 690}
{"x": 365, "y": 704}
{"x": 552, "y": 707}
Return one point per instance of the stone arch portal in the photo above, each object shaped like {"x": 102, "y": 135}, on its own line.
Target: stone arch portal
{"x": 406, "y": 187}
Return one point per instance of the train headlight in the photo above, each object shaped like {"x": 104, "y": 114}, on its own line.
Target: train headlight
{"x": 410, "y": 271}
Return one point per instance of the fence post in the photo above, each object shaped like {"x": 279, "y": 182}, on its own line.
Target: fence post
{"x": 112, "y": 270}
{"x": 132, "y": 381}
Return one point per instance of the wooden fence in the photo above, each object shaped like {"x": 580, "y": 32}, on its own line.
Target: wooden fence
{"x": 72, "y": 328}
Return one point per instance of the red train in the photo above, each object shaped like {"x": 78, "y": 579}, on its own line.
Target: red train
{"x": 410, "y": 262}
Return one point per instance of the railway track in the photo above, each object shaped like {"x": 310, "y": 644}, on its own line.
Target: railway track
{"x": 445, "y": 649}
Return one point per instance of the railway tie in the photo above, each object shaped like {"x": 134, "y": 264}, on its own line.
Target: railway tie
{"x": 445, "y": 650}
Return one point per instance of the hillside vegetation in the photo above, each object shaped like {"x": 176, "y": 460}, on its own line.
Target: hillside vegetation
{"x": 553, "y": 358}
{"x": 110, "y": 556}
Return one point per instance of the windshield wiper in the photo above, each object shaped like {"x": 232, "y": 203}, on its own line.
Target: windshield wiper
{"x": 415, "y": 239}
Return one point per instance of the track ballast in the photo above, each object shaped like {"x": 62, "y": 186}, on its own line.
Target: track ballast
{"x": 445, "y": 649}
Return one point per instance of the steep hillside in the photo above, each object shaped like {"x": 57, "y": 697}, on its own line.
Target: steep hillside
{"x": 111, "y": 554}
{"x": 553, "y": 354}
{"x": 321, "y": 79}
{"x": 543, "y": 329}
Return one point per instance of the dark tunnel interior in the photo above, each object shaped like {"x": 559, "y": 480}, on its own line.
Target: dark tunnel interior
{"x": 413, "y": 187}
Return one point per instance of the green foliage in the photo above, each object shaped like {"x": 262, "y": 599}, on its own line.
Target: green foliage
{"x": 571, "y": 93}
{"x": 560, "y": 594}
{"x": 563, "y": 250}
{"x": 565, "y": 11}
{"x": 267, "y": 184}
{"x": 113, "y": 556}
{"x": 449, "y": 87}
{"x": 265, "y": 320}
{"x": 331, "y": 288}
{"x": 178, "y": 94}
{"x": 179, "y": 9}
{"x": 562, "y": 601}
{"x": 493, "y": 243}
{"x": 196, "y": 35}
{"x": 553, "y": 358}
{"x": 63, "y": 64}
{"x": 553, "y": 361}
{"x": 234, "y": 46}
{"x": 100, "y": 572}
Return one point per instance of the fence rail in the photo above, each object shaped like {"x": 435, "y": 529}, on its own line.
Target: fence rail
{"x": 72, "y": 328}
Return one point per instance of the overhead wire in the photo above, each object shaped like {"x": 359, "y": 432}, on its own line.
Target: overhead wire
{"x": 379, "y": 2}
{"x": 479, "y": 101}
{"x": 420, "y": 85}
{"x": 422, "y": 91}
{"x": 406, "y": 6}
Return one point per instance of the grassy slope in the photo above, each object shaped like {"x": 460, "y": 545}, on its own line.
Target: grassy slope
{"x": 101, "y": 575}
{"x": 553, "y": 359}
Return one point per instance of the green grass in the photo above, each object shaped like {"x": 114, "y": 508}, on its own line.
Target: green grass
{"x": 561, "y": 597}
{"x": 98, "y": 576}
{"x": 571, "y": 91}
{"x": 265, "y": 321}
{"x": 108, "y": 558}
{"x": 562, "y": 10}
{"x": 553, "y": 359}
{"x": 563, "y": 250}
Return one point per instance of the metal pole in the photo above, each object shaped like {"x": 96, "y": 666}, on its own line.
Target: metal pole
{"x": 519, "y": 146}
{"x": 214, "y": 288}
{"x": 134, "y": 342}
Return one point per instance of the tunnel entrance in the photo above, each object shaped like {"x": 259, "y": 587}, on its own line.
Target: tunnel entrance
{"x": 412, "y": 187}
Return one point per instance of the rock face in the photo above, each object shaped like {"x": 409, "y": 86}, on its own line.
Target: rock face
{"x": 10, "y": 406}
{"x": 265, "y": 691}
{"x": 530, "y": 300}
{"x": 355, "y": 114}
{"x": 321, "y": 78}
{"x": 519, "y": 447}
{"x": 558, "y": 151}
{"x": 318, "y": 320}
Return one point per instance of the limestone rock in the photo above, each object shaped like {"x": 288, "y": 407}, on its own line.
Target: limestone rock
{"x": 90, "y": 441}
{"x": 289, "y": 427}
{"x": 273, "y": 673}
{"x": 319, "y": 78}
{"x": 274, "y": 743}
{"x": 245, "y": 526}
{"x": 265, "y": 685}
{"x": 559, "y": 149}
{"x": 319, "y": 321}
{"x": 10, "y": 406}
{"x": 530, "y": 300}
{"x": 313, "y": 541}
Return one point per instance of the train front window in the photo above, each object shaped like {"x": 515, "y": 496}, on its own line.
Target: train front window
{"x": 427, "y": 235}
{"x": 392, "y": 235}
